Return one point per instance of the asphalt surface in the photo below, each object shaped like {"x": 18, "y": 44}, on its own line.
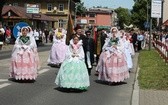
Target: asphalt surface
{"x": 44, "y": 91}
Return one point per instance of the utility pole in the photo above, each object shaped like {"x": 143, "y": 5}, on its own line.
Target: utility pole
{"x": 147, "y": 20}
{"x": 156, "y": 12}
{"x": 162, "y": 13}
{"x": 161, "y": 18}
{"x": 150, "y": 33}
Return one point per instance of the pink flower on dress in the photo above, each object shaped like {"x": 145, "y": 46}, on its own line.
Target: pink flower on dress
{"x": 75, "y": 47}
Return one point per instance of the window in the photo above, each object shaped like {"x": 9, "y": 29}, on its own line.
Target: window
{"x": 15, "y": 4}
{"x": 61, "y": 7}
{"x": 92, "y": 15}
{"x": 83, "y": 15}
{"x": 62, "y": 23}
{"x": 91, "y": 21}
{"x": 25, "y": 5}
{"x": 10, "y": 23}
{"x": 49, "y": 7}
{"x": 78, "y": 21}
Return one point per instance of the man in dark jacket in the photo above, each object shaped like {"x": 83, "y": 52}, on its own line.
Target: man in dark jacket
{"x": 88, "y": 46}
{"x": 46, "y": 32}
{"x": 134, "y": 40}
{"x": 79, "y": 33}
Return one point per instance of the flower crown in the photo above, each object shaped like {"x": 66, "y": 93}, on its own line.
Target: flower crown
{"x": 59, "y": 35}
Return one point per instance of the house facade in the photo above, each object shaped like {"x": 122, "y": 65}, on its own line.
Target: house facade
{"x": 165, "y": 8}
{"x": 58, "y": 10}
{"x": 97, "y": 17}
{"x": 15, "y": 14}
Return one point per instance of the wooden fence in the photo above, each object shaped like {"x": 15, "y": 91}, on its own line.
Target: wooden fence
{"x": 162, "y": 48}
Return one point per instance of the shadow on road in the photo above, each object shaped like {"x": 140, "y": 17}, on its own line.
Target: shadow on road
{"x": 69, "y": 90}
{"x": 110, "y": 83}
{"x": 54, "y": 65}
{"x": 21, "y": 81}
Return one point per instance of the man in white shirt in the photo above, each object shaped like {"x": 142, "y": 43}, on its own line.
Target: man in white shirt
{"x": 140, "y": 38}
{"x": 36, "y": 36}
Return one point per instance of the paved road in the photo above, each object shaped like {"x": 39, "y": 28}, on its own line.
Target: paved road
{"x": 7, "y": 54}
{"x": 44, "y": 91}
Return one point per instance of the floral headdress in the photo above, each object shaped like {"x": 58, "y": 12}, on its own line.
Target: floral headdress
{"x": 59, "y": 34}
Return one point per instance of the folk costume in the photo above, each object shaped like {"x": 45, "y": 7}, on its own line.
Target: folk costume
{"x": 59, "y": 48}
{"x": 127, "y": 50}
{"x": 24, "y": 62}
{"x": 73, "y": 72}
{"x": 112, "y": 65}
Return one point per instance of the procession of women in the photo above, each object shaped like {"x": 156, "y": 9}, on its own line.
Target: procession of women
{"x": 107, "y": 55}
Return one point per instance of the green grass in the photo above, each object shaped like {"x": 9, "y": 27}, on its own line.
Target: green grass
{"x": 153, "y": 72}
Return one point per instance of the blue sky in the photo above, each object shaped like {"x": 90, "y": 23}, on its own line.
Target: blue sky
{"x": 109, "y": 3}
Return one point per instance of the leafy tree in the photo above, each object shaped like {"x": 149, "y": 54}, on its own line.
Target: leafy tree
{"x": 124, "y": 16}
{"x": 80, "y": 8}
{"x": 140, "y": 14}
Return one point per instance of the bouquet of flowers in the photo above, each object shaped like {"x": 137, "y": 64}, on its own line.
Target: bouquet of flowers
{"x": 114, "y": 41}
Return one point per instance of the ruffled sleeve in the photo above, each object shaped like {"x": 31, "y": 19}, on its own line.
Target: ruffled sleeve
{"x": 120, "y": 46}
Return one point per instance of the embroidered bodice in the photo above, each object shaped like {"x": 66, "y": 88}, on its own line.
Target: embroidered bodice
{"x": 113, "y": 41}
{"x": 24, "y": 40}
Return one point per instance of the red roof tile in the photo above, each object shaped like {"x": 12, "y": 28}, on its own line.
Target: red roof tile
{"x": 165, "y": 23}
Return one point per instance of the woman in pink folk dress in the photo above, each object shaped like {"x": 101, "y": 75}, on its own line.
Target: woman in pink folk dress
{"x": 58, "y": 49}
{"x": 24, "y": 63}
{"x": 112, "y": 66}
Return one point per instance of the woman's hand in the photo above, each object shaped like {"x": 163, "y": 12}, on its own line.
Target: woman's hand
{"x": 73, "y": 55}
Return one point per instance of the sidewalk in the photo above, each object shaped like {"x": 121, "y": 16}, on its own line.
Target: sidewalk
{"x": 153, "y": 97}
{"x": 8, "y": 47}
{"x": 148, "y": 97}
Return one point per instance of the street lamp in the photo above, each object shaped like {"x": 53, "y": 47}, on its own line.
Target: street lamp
{"x": 55, "y": 9}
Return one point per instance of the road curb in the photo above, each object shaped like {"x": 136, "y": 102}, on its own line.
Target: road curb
{"x": 135, "y": 94}
{"x": 6, "y": 48}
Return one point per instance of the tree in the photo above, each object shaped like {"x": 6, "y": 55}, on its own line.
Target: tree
{"x": 1, "y": 6}
{"x": 80, "y": 9}
{"x": 141, "y": 13}
{"x": 124, "y": 16}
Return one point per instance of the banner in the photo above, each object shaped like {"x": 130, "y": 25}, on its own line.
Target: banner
{"x": 32, "y": 8}
{"x": 69, "y": 29}
{"x": 156, "y": 10}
